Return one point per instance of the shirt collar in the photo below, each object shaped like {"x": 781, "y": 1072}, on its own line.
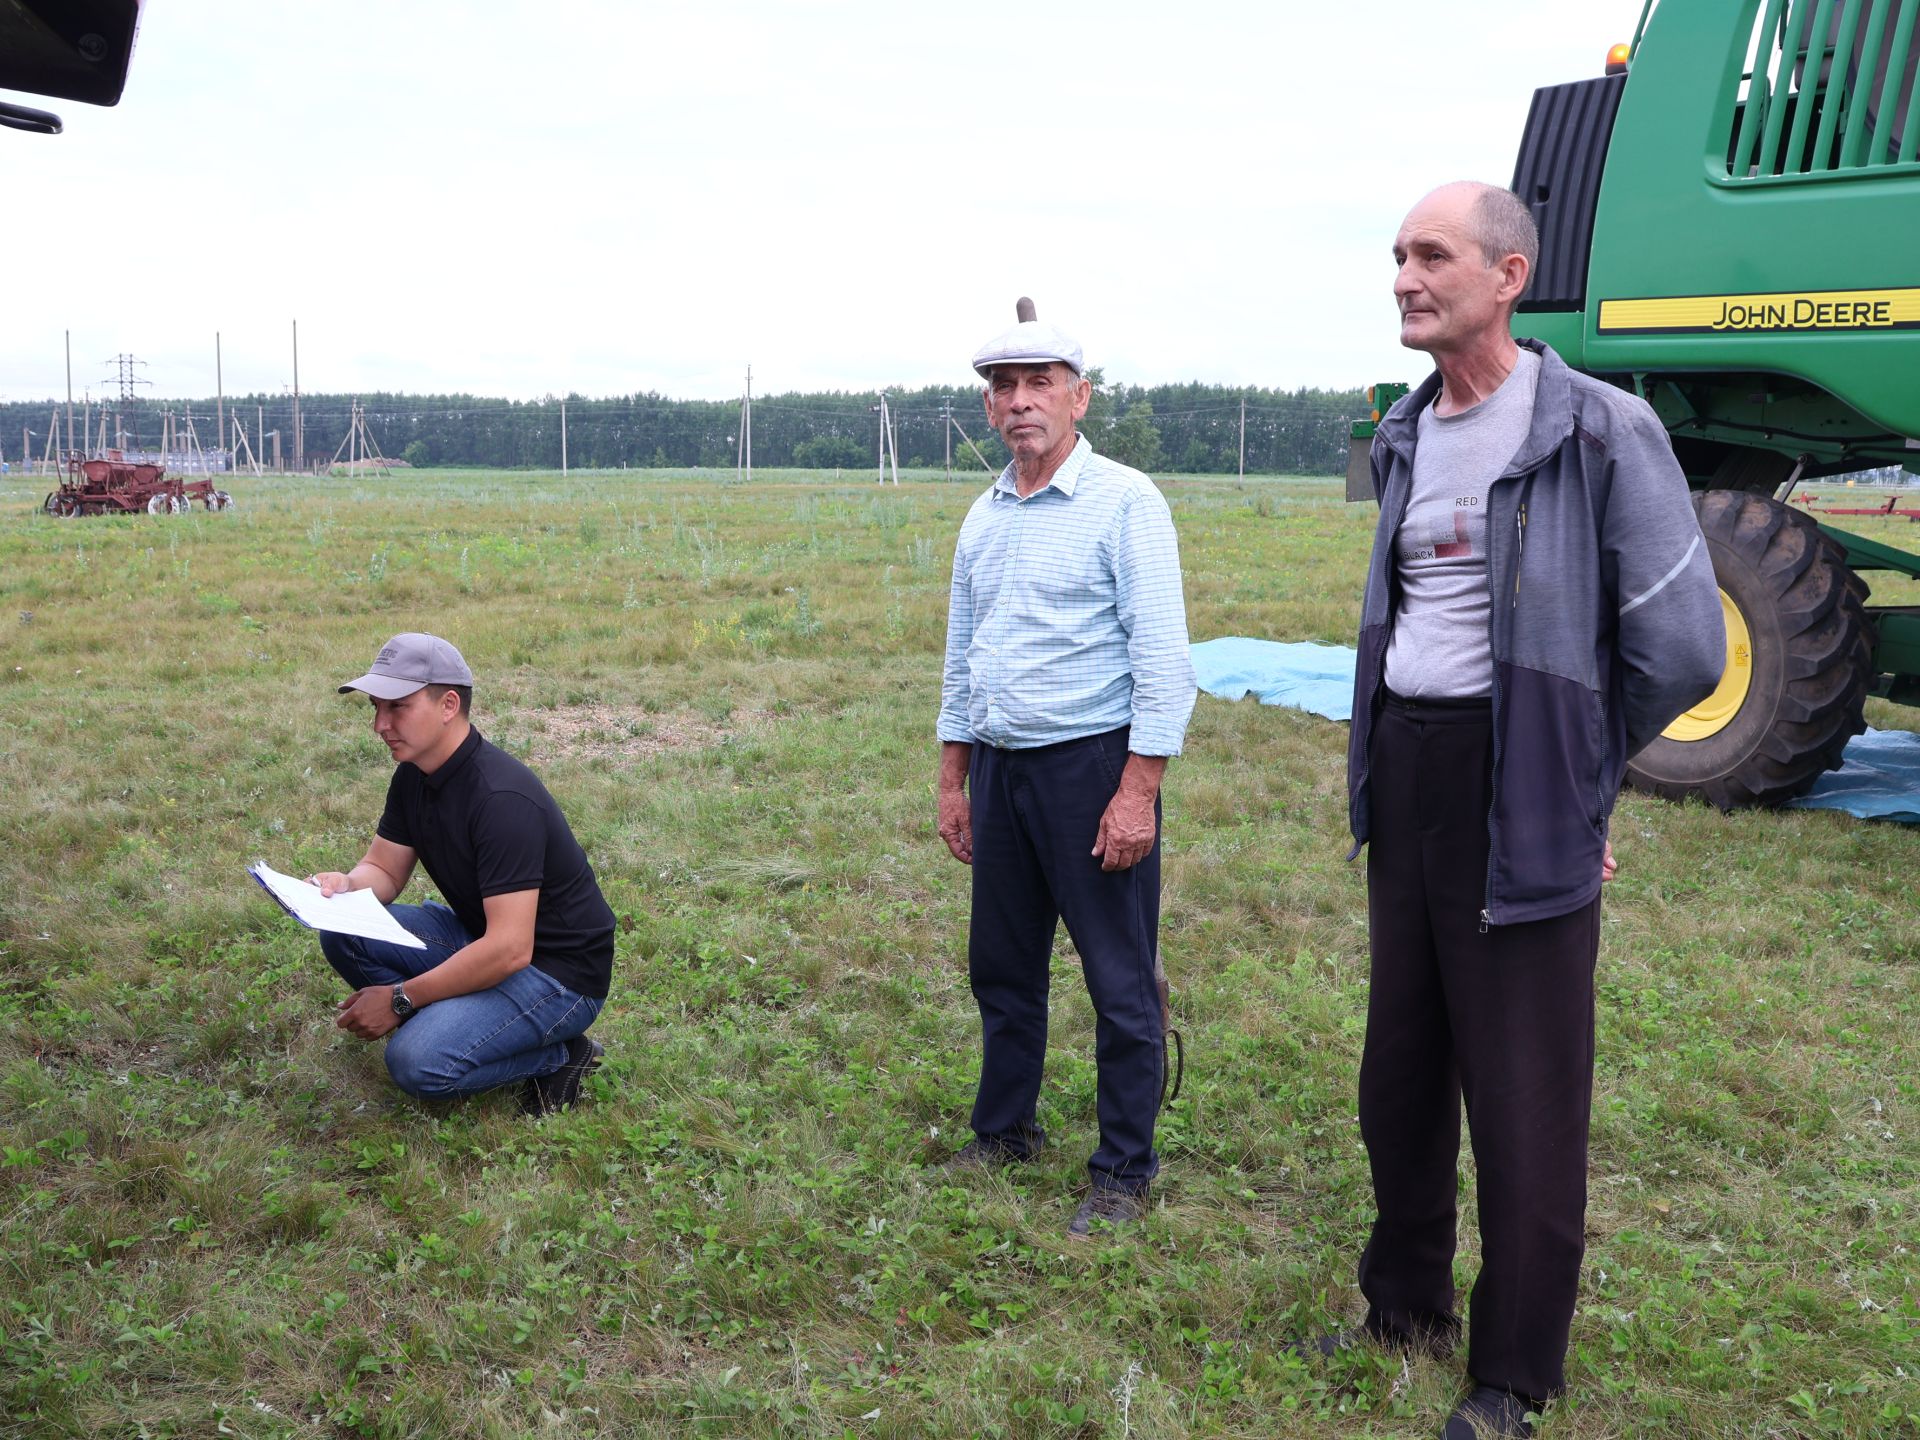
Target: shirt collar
{"x": 455, "y": 761}
{"x": 1064, "y": 479}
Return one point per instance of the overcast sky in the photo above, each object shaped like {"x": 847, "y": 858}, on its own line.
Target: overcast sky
{"x": 532, "y": 198}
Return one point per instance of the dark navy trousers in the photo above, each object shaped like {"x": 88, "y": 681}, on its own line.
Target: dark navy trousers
{"x": 1500, "y": 1016}
{"x": 1036, "y": 814}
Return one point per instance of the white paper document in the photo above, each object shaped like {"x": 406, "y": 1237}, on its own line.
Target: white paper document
{"x": 352, "y": 912}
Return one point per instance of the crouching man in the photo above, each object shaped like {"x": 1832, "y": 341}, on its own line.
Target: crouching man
{"x": 517, "y": 962}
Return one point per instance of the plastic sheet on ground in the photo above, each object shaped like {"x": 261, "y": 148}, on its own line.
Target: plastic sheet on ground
{"x": 1879, "y": 779}
{"x": 1299, "y": 674}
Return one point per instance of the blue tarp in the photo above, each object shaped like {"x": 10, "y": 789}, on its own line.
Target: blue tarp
{"x": 1879, "y": 779}
{"x": 1301, "y": 674}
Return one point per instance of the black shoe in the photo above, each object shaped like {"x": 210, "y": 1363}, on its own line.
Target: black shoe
{"x": 1104, "y": 1207}
{"x": 978, "y": 1154}
{"x": 1490, "y": 1414}
{"x": 544, "y": 1094}
{"x": 1436, "y": 1343}
{"x": 1325, "y": 1347}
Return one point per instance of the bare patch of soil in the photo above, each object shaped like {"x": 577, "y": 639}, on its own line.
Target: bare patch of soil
{"x": 609, "y": 732}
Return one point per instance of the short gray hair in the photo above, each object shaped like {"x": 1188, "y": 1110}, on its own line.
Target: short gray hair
{"x": 1503, "y": 226}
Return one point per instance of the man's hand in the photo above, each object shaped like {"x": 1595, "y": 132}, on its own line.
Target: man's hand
{"x": 1127, "y": 831}
{"x": 368, "y": 1013}
{"x": 1129, "y": 827}
{"x": 331, "y": 882}
{"x": 956, "y": 813}
{"x": 1608, "y": 865}
{"x": 956, "y": 824}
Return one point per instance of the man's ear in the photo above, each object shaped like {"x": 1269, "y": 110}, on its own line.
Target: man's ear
{"x": 1082, "y": 396}
{"x": 1514, "y": 271}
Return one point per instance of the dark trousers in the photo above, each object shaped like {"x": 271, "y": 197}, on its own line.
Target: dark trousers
{"x": 1502, "y": 1017}
{"x": 1036, "y": 814}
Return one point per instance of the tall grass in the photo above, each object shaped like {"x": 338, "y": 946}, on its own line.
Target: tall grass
{"x": 216, "y": 1217}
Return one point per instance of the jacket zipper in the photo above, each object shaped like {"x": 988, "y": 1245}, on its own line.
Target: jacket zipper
{"x": 1520, "y": 554}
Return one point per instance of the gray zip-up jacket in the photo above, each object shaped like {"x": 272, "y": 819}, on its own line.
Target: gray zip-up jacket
{"x": 1605, "y": 625}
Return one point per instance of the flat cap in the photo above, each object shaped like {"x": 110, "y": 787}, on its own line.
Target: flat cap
{"x": 1030, "y": 342}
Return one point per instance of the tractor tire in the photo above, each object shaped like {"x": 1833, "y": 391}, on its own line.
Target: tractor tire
{"x": 1799, "y": 663}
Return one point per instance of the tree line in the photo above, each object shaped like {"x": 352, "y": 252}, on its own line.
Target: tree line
{"x": 1181, "y": 428}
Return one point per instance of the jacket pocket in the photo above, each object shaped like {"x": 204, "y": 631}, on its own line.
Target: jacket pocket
{"x": 1547, "y": 824}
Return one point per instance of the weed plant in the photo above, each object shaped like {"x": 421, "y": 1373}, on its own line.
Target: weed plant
{"x": 218, "y": 1218}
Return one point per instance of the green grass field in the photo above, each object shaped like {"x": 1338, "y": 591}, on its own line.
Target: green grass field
{"x": 218, "y": 1218}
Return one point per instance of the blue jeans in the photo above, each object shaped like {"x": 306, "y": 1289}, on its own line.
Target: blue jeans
{"x": 467, "y": 1042}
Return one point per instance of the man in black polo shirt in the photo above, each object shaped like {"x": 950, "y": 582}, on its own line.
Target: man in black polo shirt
{"x": 517, "y": 962}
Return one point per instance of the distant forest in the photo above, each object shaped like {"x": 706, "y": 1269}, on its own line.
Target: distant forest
{"x": 1182, "y": 429}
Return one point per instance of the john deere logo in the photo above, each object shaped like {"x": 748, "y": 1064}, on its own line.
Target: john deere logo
{"x": 1786, "y": 311}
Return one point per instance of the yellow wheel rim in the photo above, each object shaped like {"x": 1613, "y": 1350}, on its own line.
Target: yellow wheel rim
{"x": 1713, "y": 714}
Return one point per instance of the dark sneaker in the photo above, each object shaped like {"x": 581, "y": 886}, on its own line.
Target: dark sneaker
{"x": 1437, "y": 1343}
{"x": 1104, "y": 1208}
{"x": 1325, "y": 1347}
{"x": 1490, "y": 1414}
{"x": 979, "y": 1154}
{"x": 544, "y": 1094}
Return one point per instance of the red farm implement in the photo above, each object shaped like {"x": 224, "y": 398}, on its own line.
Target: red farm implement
{"x": 115, "y": 486}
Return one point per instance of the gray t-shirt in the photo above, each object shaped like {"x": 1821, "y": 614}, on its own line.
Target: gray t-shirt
{"x": 1438, "y": 648}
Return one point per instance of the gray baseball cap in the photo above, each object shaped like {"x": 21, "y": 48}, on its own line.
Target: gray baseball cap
{"x": 408, "y": 662}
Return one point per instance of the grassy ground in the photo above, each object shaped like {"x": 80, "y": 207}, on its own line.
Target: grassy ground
{"x": 216, "y": 1216}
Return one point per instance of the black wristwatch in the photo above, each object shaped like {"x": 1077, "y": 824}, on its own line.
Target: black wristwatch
{"x": 402, "y": 1006}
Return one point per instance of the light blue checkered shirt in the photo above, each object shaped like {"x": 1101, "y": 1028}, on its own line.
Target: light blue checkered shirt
{"x": 1066, "y": 617}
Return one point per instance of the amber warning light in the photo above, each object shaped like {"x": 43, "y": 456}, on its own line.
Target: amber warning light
{"x": 1617, "y": 59}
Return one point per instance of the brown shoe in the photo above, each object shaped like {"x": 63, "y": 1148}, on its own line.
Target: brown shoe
{"x": 1106, "y": 1208}
{"x": 980, "y": 1155}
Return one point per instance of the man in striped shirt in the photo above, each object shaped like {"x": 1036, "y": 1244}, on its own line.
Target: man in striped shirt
{"x": 1067, "y": 688}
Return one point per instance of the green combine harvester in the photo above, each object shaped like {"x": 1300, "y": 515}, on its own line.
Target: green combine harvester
{"x": 1730, "y": 227}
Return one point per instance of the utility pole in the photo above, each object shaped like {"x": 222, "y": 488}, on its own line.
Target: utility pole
{"x": 563, "y": 436}
{"x": 299, "y": 439}
{"x": 219, "y": 397}
{"x": 887, "y": 443}
{"x": 69, "y": 335}
{"x": 743, "y": 460}
{"x": 240, "y": 443}
{"x": 260, "y": 429}
{"x": 1243, "y": 437}
{"x": 975, "y": 448}
{"x": 946, "y": 413}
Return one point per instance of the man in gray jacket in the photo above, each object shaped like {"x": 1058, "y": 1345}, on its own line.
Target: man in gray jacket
{"x": 1539, "y": 605}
